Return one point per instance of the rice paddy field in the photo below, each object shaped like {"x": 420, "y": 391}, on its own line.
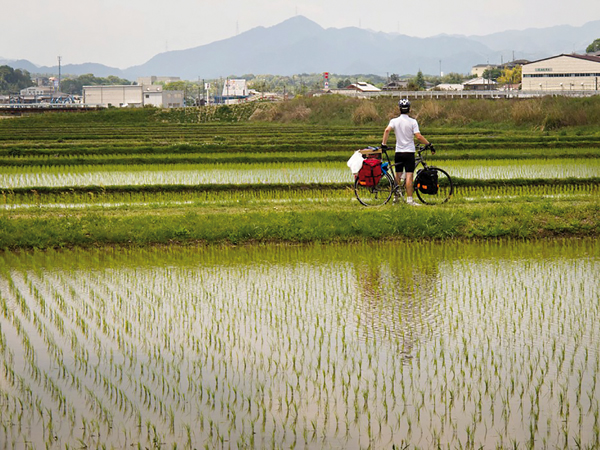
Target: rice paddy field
{"x": 383, "y": 345}
{"x": 218, "y": 285}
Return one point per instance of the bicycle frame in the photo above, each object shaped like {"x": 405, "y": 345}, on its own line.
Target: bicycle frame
{"x": 419, "y": 160}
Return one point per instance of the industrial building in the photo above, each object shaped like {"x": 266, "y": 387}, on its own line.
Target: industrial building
{"x": 235, "y": 91}
{"x": 132, "y": 96}
{"x": 562, "y": 73}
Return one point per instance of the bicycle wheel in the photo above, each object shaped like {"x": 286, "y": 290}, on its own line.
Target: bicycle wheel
{"x": 376, "y": 195}
{"x": 442, "y": 189}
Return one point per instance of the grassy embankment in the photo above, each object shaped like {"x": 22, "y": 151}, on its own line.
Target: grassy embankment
{"x": 248, "y": 155}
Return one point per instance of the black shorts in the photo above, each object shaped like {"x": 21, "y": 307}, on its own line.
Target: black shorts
{"x": 405, "y": 161}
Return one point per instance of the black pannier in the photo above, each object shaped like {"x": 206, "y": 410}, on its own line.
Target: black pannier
{"x": 427, "y": 181}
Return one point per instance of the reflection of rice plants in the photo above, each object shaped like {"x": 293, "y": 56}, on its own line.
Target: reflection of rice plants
{"x": 367, "y": 347}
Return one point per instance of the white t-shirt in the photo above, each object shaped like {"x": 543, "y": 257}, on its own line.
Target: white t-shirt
{"x": 404, "y": 128}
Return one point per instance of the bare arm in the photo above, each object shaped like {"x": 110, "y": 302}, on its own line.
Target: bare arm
{"x": 421, "y": 139}
{"x": 386, "y": 135}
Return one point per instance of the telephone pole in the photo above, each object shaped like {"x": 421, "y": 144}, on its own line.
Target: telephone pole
{"x": 59, "y": 59}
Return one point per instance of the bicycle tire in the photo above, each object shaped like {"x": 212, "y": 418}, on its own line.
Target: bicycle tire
{"x": 445, "y": 188}
{"x": 377, "y": 195}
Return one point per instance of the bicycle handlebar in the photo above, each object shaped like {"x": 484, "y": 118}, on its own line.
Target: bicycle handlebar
{"x": 418, "y": 148}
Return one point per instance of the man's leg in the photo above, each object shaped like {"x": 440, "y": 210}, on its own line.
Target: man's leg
{"x": 410, "y": 190}
{"x": 409, "y": 184}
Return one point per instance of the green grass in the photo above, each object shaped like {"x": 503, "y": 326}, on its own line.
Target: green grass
{"x": 323, "y": 222}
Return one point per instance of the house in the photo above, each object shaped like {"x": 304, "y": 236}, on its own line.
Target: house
{"x": 362, "y": 86}
{"x": 562, "y": 73}
{"x": 479, "y": 84}
{"x": 396, "y": 85}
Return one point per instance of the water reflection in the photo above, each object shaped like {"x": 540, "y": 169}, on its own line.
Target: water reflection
{"x": 425, "y": 345}
{"x": 397, "y": 295}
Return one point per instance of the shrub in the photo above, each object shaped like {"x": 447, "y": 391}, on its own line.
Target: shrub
{"x": 365, "y": 113}
{"x": 298, "y": 113}
{"x": 430, "y": 110}
{"x": 265, "y": 112}
{"x": 527, "y": 113}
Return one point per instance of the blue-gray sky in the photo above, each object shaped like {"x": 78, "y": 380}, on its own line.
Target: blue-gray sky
{"x": 122, "y": 33}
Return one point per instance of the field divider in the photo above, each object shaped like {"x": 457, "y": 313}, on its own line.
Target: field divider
{"x": 506, "y": 221}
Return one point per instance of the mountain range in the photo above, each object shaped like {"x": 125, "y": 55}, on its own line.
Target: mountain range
{"x": 299, "y": 45}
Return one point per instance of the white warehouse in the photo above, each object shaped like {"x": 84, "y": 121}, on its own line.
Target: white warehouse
{"x": 562, "y": 73}
{"x": 132, "y": 95}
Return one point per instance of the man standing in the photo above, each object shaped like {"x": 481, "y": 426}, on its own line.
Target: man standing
{"x": 406, "y": 129}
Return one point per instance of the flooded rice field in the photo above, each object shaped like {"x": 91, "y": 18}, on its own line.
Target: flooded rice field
{"x": 413, "y": 345}
{"x": 287, "y": 173}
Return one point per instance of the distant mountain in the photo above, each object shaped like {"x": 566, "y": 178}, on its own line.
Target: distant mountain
{"x": 299, "y": 45}
{"x": 98, "y": 70}
{"x": 537, "y": 43}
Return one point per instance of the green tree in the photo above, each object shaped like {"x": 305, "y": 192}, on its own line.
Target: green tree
{"x": 74, "y": 86}
{"x": 594, "y": 46}
{"x": 12, "y": 81}
{"x": 176, "y": 86}
{"x": 344, "y": 82}
{"x": 492, "y": 74}
{"x": 453, "y": 78}
{"x": 412, "y": 85}
{"x": 419, "y": 80}
{"x": 71, "y": 86}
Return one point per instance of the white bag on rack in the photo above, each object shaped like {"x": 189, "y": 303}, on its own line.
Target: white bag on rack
{"x": 355, "y": 162}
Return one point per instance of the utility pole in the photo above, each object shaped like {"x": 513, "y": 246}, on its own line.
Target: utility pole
{"x": 59, "y": 59}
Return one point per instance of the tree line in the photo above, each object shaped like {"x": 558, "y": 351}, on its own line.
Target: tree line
{"x": 74, "y": 86}
{"x": 13, "y": 80}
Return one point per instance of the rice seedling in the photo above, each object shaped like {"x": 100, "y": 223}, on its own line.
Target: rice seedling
{"x": 271, "y": 173}
{"x": 303, "y": 347}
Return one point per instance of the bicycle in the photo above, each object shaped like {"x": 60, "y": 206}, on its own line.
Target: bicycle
{"x": 432, "y": 185}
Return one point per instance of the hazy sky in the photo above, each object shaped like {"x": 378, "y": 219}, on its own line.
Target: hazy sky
{"x": 122, "y": 33}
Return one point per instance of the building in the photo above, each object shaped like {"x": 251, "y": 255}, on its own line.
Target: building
{"x": 37, "y": 91}
{"x": 449, "y": 87}
{"x": 562, "y": 73}
{"x": 363, "y": 86}
{"x": 235, "y": 91}
{"x": 43, "y": 94}
{"x": 479, "y": 69}
{"x": 479, "y": 84}
{"x": 132, "y": 96}
{"x": 396, "y": 85}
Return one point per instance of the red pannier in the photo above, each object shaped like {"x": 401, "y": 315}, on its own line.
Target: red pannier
{"x": 370, "y": 172}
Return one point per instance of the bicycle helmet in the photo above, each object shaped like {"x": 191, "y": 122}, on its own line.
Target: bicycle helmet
{"x": 404, "y": 105}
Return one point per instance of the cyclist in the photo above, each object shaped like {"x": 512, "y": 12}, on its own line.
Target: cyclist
{"x": 406, "y": 130}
